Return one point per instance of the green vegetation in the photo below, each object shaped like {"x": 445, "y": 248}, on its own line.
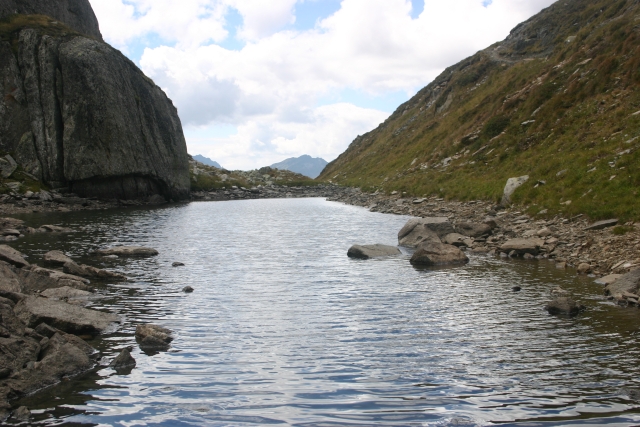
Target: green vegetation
{"x": 545, "y": 104}
{"x": 10, "y": 28}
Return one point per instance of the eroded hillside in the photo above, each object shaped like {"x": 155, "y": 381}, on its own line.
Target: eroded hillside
{"x": 558, "y": 100}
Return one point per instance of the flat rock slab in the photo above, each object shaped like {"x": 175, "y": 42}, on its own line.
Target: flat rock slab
{"x": 65, "y": 292}
{"x": 607, "y": 280}
{"x": 66, "y": 317}
{"x": 56, "y": 258}
{"x": 455, "y": 239}
{"x": 372, "y": 251}
{"x": 13, "y": 257}
{"x": 522, "y": 246}
{"x": 629, "y": 282}
{"x": 433, "y": 254}
{"x": 128, "y": 251}
{"x": 91, "y": 272}
{"x": 601, "y": 225}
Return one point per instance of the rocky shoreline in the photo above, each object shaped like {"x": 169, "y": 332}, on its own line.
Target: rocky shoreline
{"x": 45, "y": 311}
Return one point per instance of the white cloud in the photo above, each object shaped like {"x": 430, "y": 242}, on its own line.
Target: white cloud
{"x": 271, "y": 88}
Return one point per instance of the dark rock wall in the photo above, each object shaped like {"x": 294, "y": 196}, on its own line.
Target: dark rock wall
{"x": 76, "y": 112}
{"x": 76, "y": 14}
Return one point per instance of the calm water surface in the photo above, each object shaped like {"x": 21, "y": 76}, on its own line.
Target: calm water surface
{"x": 284, "y": 329}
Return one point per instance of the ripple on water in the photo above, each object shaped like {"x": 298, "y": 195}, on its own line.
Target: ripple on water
{"x": 283, "y": 328}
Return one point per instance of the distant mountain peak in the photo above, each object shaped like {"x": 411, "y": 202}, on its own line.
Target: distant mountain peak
{"x": 305, "y": 165}
{"x": 206, "y": 161}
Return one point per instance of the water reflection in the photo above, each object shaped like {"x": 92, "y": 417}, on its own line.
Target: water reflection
{"x": 283, "y": 328}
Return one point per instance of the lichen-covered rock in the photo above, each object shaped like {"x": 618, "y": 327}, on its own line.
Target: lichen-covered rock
{"x": 76, "y": 14}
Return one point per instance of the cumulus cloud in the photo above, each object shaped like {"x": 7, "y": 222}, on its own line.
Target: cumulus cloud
{"x": 271, "y": 88}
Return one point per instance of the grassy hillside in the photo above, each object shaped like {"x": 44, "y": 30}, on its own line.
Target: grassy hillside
{"x": 558, "y": 100}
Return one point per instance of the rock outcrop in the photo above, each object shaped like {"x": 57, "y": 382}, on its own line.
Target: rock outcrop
{"x": 431, "y": 254}
{"x": 79, "y": 114}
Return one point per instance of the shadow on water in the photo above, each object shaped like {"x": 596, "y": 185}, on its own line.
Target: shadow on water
{"x": 283, "y": 328}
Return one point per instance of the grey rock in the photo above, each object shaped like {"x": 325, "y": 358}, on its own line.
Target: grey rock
{"x": 156, "y": 199}
{"x": 471, "y": 229}
{"x": 419, "y": 230}
{"x": 76, "y": 14}
{"x": 127, "y": 251}
{"x": 187, "y": 289}
{"x": 7, "y": 166}
{"x": 39, "y": 279}
{"x": 607, "y": 280}
{"x": 584, "y": 268}
{"x": 45, "y": 330}
{"x": 21, "y": 414}
{"x": 177, "y": 264}
{"x": 455, "y": 239}
{"x": 124, "y": 361}
{"x": 9, "y": 280}
{"x": 512, "y": 185}
{"x": 372, "y": 251}
{"x": 65, "y": 293}
{"x": 522, "y": 246}
{"x": 431, "y": 254}
{"x": 564, "y": 306}
{"x": 66, "y": 317}
{"x": 601, "y": 225}
{"x": 13, "y": 257}
{"x": 55, "y": 229}
{"x": 153, "y": 337}
{"x": 56, "y": 258}
{"x": 629, "y": 282}
{"x": 91, "y": 272}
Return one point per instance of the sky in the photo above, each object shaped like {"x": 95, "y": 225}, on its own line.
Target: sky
{"x": 259, "y": 81}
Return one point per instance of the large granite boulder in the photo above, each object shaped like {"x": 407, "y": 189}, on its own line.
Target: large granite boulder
{"x": 372, "y": 251}
{"x": 419, "y": 230}
{"x": 433, "y": 254}
{"x": 76, "y": 14}
{"x": 79, "y": 114}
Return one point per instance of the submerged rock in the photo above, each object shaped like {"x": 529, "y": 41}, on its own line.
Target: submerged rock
{"x": 433, "y": 254}
{"x": 372, "y": 251}
{"x": 187, "y": 289}
{"x": 91, "y": 272}
{"x": 127, "y": 251}
{"x": 564, "y": 306}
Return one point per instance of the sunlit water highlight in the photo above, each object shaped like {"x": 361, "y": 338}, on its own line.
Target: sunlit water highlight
{"x": 284, "y": 329}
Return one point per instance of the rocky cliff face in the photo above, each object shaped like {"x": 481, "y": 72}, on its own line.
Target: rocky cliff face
{"x": 76, "y": 14}
{"x": 76, "y": 113}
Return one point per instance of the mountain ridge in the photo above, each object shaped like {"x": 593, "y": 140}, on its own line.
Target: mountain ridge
{"x": 305, "y": 165}
{"x": 554, "y": 100}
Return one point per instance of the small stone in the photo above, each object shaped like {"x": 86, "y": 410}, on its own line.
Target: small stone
{"x": 516, "y": 289}
{"x": 584, "y": 268}
{"x": 561, "y": 265}
{"x": 187, "y": 289}
{"x": 124, "y": 361}
{"x": 545, "y": 232}
{"x": 177, "y": 264}
{"x": 22, "y": 413}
